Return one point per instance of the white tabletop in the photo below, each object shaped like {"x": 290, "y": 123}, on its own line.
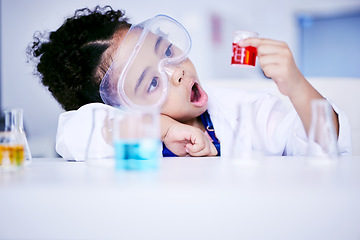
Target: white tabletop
{"x": 186, "y": 198}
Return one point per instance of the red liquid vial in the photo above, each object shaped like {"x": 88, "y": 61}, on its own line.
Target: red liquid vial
{"x": 243, "y": 55}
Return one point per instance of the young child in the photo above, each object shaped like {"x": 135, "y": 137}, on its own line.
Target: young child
{"x": 195, "y": 122}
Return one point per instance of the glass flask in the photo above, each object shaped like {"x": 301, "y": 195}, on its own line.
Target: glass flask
{"x": 101, "y": 132}
{"x": 11, "y": 150}
{"x": 322, "y": 135}
{"x": 14, "y": 124}
{"x": 246, "y": 144}
{"x": 137, "y": 139}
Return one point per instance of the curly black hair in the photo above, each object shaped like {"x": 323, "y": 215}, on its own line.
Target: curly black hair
{"x": 69, "y": 59}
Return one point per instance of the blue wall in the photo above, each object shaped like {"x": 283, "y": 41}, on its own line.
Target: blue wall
{"x": 330, "y": 44}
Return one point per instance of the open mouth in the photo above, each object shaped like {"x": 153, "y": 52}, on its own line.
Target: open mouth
{"x": 198, "y": 96}
{"x": 195, "y": 93}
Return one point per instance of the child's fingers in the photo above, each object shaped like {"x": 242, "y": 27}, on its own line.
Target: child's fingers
{"x": 269, "y": 59}
{"x": 197, "y": 146}
{"x": 255, "y": 42}
{"x": 202, "y": 147}
{"x": 209, "y": 150}
{"x": 268, "y": 49}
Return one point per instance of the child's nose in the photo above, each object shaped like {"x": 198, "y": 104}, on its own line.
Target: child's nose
{"x": 175, "y": 74}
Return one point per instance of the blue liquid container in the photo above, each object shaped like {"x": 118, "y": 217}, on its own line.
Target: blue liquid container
{"x": 137, "y": 154}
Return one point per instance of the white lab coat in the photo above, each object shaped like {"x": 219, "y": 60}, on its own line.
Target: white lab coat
{"x": 279, "y": 128}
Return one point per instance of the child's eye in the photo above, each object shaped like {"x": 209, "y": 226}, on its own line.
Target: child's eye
{"x": 153, "y": 85}
{"x": 168, "y": 52}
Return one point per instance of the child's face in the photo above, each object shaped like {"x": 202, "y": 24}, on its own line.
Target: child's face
{"x": 185, "y": 100}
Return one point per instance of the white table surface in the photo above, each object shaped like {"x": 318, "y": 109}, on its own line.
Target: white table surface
{"x": 186, "y": 198}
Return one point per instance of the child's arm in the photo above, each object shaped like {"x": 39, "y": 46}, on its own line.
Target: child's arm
{"x": 182, "y": 139}
{"x": 277, "y": 62}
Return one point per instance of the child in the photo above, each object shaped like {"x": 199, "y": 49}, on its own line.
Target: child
{"x": 194, "y": 122}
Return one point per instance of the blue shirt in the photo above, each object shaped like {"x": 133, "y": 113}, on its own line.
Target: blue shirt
{"x": 206, "y": 120}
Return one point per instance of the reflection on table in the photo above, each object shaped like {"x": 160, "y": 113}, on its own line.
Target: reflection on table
{"x": 184, "y": 198}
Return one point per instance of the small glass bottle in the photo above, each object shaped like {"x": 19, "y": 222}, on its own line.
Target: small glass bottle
{"x": 246, "y": 143}
{"x": 322, "y": 134}
{"x": 14, "y": 124}
{"x": 136, "y": 138}
{"x": 97, "y": 154}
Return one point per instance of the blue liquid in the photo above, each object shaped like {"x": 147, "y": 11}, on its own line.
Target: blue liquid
{"x": 137, "y": 154}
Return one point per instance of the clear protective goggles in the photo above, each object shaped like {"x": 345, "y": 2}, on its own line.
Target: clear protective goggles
{"x": 145, "y": 61}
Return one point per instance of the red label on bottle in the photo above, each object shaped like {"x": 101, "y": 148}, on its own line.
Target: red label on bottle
{"x": 243, "y": 55}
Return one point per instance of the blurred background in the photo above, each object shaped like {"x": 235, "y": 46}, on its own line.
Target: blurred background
{"x": 324, "y": 36}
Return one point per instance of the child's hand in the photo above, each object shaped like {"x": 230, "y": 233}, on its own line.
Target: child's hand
{"x": 182, "y": 139}
{"x": 277, "y": 62}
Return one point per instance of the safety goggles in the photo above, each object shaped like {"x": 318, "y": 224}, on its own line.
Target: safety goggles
{"x": 145, "y": 60}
